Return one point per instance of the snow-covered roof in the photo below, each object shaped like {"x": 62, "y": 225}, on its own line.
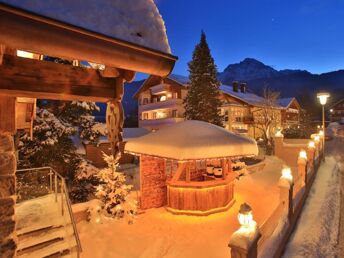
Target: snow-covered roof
{"x": 179, "y": 78}
{"x": 192, "y": 140}
{"x": 247, "y": 97}
{"x": 129, "y": 133}
{"x": 285, "y": 102}
{"x": 135, "y": 21}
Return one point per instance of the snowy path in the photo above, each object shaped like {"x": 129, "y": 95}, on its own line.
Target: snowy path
{"x": 316, "y": 234}
{"x": 160, "y": 234}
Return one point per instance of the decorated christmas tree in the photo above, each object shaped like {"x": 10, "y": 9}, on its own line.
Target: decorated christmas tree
{"x": 202, "y": 102}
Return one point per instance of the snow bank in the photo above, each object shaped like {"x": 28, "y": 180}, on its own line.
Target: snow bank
{"x": 192, "y": 140}
{"x": 136, "y": 21}
{"x": 317, "y": 230}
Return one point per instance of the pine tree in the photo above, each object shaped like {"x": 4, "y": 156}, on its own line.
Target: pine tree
{"x": 202, "y": 102}
{"x": 114, "y": 192}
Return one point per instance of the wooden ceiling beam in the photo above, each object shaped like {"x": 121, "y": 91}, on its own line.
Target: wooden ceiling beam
{"x": 23, "y": 77}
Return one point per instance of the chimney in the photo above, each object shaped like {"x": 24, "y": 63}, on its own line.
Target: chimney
{"x": 243, "y": 87}
{"x": 235, "y": 86}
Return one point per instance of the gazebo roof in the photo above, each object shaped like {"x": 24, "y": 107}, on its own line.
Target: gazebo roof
{"x": 191, "y": 140}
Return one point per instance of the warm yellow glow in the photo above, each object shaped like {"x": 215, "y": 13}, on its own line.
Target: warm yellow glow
{"x": 311, "y": 144}
{"x": 303, "y": 154}
{"x": 316, "y": 138}
{"x": 169, "y": 95}
{"x": 162, "y": 98}
{"x": 286, "y": 173}
{"x": 331, "y": 110}
{"x": 322, "y": 96}
{"x": 321, "y": 133}
{"x": 24, "y": 54}
{"x": 245, "y": 219}
{"x": 279, "y": 134}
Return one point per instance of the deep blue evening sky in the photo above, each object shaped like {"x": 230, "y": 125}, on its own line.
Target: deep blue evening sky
{"x": 296, "y": 34}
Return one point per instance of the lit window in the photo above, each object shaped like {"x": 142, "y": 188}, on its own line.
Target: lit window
{"x": 162, "y": 98}
{"x": 24, "y": 54}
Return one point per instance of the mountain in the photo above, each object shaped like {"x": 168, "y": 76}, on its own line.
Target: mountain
{"x": 290, "y": 83}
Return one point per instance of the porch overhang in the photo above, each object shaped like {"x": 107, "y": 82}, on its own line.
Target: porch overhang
{"x": 34, "y": 33}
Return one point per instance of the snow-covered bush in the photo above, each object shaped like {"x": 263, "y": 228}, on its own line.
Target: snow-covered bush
{"x": 114, "y": 192}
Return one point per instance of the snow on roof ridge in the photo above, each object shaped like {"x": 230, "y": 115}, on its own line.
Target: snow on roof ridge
{"x": 192, "y": 139}
{"x": 135, "y": 21}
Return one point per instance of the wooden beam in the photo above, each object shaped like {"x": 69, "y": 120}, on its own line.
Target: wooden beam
{"x": 31, "y": 32}
{"x": 7, "y": 115}
{"x": 23, "y": 77}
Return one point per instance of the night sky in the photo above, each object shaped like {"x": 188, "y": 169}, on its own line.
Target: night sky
{"x": 297, "y": 34}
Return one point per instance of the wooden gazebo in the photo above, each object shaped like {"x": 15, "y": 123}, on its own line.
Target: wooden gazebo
{"x": 70, "y": 30}
{"x": 187, "y": 167}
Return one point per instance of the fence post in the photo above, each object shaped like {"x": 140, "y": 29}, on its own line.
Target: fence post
{"x": 55, "y": 187}
{"x": 62, "y": 186}
{"x": 301, "y": 167}
{"x": 311, "y": 155}
{"x": 278, "y": 143}
{"x": 243, "y": 242}
{"x": 286, "y": 185}
{"x": 50, "y": 181}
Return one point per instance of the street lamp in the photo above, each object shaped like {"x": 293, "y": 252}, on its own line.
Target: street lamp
{"x": 323, "y": 96}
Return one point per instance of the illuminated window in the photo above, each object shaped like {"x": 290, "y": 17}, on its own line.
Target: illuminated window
{"x": 162, "y": 98}
{"x": 25, "y": 54}
{"x": 154, "y": 115}
{"x": 174, "y": 113}
{"x": 145, "y": 116}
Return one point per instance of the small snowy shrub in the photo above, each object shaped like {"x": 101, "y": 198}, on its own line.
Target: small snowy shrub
{"x": 114, "y": 192}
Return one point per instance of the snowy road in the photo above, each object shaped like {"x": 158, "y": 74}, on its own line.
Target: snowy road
{"x": 317, "y": 231}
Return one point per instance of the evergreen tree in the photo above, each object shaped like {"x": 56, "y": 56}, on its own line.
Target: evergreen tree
{"x": 202, "y": 102}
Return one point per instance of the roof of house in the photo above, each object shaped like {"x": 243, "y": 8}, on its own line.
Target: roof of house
{"x": 336, "y": 103}
{"x": 190, "y": 140}
{"x": 135, "y": 21}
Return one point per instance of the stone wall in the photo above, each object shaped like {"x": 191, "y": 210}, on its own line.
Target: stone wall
{"x": 7, "y": 196}
{"x": 153, "y": 182}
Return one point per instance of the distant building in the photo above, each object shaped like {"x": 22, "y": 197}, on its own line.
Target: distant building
{"x": 337, "y": 111}
{"x": 160, "y": 103}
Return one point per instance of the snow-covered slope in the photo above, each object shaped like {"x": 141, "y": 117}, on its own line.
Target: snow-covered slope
{"x": 136, "y": 21}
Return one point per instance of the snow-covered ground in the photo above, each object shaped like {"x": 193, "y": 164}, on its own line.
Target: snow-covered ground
{"x": 158, "y": 233}
{"x": 316, "y": 234}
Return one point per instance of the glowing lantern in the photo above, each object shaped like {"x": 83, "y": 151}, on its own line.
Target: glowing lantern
{"x": 322, "y": 96}
{"x": 279, "y": 134}
{"x": 245, "y": 216}
{"x": 303, "y": 154}
{"x": 286, "y": 174}
{"x": 321, "y": 133}
{"x": 311, "y": 144}
{"x": 316, "y": 138}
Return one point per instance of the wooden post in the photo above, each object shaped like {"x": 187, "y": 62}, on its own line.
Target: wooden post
{"x": 188, "y": 174}
{"x": 278, "y": 145}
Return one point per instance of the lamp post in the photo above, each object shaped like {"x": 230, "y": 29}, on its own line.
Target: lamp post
{"x": 323, "y": 96}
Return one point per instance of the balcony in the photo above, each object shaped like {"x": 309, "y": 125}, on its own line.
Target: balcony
{"x": 248, "y": 120}
{"x": 157, "y": 123}
{"x": 169, "y": 103}
{"x": 160, "y": 89}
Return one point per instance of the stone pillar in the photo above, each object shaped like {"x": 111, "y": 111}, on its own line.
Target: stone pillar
{"x": 8, "y": 167}
{"x": 286, "y": 186}
{"x": 310, "y": 156}
{"x": 278, "y": 144}
{"x": 244, "y": 242}
{"x": 301, "y": 167}
{"x": 7, "y": 196}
